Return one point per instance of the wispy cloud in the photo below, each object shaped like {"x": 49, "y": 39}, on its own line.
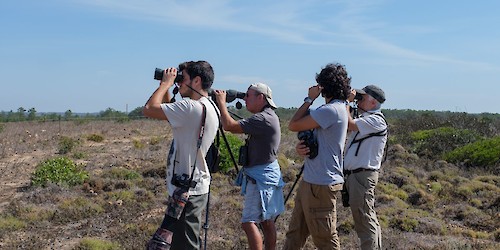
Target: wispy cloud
{"x": 346, "y": 23}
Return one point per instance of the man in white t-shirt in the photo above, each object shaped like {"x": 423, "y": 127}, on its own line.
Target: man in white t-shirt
{"x": 188, "y": 176}
{"x": 362, "y": 160}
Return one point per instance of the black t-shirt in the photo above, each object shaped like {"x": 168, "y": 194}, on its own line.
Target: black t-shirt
{"x": 263, "y": 129}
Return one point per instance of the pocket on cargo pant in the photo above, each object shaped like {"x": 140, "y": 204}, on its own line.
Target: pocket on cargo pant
{"x": 322, "y": 222}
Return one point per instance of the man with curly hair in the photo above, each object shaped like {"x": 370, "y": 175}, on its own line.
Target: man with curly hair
{"x": 315, "y": 203}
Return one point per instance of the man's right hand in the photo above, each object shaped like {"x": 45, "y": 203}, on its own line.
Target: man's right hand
{"x": 220, "y": 96}
{"x": 169, "y": 77}
{"x": 302, "y": 149}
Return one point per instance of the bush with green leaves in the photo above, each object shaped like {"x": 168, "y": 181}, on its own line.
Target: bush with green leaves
{"x": 61, "y": 171}
{"x": 226, "y": 163}
{"x": 434, "y": 142}
{"x": 481, "y": 153}
{"x": 95, "y": 138}
{"x": 67, "y": 144}
{"x": 9, "y": 223}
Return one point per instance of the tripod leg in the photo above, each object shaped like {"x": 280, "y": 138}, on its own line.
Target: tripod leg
{"x": 229, "y": 150}
{"x": 206, "y": 225}
{"x": 293, "y": 187}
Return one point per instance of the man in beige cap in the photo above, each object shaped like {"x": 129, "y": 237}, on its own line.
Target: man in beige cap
{"x": 260, "y": 177}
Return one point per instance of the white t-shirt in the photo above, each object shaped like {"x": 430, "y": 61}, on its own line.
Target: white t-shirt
{"x": 185, "y": 118}
{"x": 371, "y": 150}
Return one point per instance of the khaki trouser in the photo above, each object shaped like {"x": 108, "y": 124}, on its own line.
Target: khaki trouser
{"x": 314, "y": 214}
{"x": 187, "y": 231}
{"x": 361, "y": 188}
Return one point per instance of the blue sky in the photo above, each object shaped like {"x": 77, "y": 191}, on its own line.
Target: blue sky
{"x": 90, "y": 55}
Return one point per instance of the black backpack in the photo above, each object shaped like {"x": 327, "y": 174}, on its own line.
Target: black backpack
{"x": 213, "y": 156}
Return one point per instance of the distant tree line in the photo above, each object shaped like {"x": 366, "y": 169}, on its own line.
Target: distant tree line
{"x": 32, "y": 115}
{"x": 432, "y": 119}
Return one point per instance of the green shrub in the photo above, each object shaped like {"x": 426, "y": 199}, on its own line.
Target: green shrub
{"x": 434, "y": 142}
{"x": 138, "y": 144}
{"x": 79, "y": 155}
{"x": 59, "y": 170}
{"x": 481, "y": 153}
{"x": 2, "y": 126}
{"x": 405, "y": 224}
{"x": 67, "y": 144}
{"x": 10, "y": 223}
{"x": 95, "y": 138}
{"x": 155, "y": 140}
{"x": 121, "y": 174}
{"x": 97, "y": 244}
{"x": 435, "y": 187}
{"x": 75, "y": 209}
{"x": 123, "y": 195}
{"x": 392, "y": 190}
{"x": 226, "y": 163}
{"x": 28, "y": 213}
{"x": 407, "y": 220}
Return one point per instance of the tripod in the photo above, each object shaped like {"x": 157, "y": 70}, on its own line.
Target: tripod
{"x": 293, "y": 187}
{"x": 220, "y": 133}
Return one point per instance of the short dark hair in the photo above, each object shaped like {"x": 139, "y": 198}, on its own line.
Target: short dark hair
{"x": 202, "y": 69}
{"x": 335, "y": 81}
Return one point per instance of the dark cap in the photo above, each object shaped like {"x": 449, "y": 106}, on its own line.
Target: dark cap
{"x": 374, "y": 92}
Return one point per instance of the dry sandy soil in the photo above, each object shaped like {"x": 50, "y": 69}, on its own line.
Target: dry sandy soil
{"x": 140, "y": 146}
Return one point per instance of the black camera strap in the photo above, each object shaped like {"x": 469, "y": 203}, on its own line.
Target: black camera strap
{"x": 198, "y": 143}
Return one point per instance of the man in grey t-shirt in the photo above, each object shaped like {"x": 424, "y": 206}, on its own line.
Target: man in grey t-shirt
{"x": 315, "y": 212}
{"x": 260, "y": 177}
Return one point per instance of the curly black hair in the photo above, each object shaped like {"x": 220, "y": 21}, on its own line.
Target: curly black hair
{"x": 202, "y": 69}
{"x": 335, "y": 81}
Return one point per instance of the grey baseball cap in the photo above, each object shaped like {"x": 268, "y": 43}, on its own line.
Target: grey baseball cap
{"x": 373, "y": 91}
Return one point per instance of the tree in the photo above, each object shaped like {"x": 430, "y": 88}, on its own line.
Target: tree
{"x": 68, "y": 114}
{"x": 20, "y": 113}
{"x": 136, "y": 113}
{"x": 31, "y": 114}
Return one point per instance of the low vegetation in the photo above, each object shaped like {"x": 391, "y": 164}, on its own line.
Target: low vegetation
{"x": 94, "y": 184}
{"x": 59, "y": 170}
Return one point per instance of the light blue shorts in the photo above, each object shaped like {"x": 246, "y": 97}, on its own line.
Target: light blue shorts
{"x": 252, "y": 206}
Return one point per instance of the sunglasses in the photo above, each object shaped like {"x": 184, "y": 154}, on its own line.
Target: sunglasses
{"x": 247, "y": 95}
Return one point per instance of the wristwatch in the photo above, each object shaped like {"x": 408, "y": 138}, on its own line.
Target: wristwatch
{"x": 308, "y": 100}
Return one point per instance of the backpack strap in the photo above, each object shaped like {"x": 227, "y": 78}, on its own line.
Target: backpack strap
{"x": 375, "y": 134}
{"x": 198, "y": 143}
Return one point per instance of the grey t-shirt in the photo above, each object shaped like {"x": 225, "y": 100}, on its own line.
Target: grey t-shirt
{"x": 264, "y": 131}
{"x": 326, "y": 168}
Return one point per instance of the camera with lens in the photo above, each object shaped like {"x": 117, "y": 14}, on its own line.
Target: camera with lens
{"x": 159, "y": 75}
{"x": 183, "y": 181}
{"x": 309, "y": 141}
